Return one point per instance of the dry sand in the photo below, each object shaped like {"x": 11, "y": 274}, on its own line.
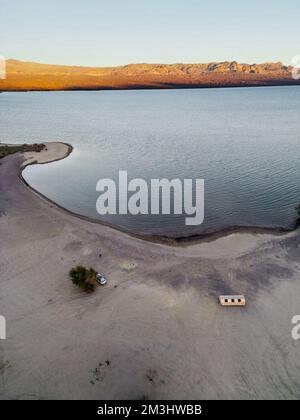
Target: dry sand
{"x": 156, "y": 329}
{"x": 52, "y": 152}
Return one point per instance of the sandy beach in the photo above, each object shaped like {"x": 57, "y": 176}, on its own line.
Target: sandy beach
{"x": 155, "y": 331}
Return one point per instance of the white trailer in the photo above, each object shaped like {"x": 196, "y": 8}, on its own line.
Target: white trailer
{"x": 232, "y": 300}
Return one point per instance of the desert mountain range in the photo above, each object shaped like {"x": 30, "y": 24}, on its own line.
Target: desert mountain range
{"x": 23, "y": 76}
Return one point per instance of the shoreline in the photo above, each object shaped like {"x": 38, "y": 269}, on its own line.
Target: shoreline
{"x": 140, "y": 88}
{"x": 161, "y": 239}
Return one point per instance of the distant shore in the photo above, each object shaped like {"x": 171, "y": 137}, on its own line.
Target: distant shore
{"x": 29, "y": 76}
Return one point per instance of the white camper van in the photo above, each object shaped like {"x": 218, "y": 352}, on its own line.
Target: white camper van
{"x": 232, "y": 300}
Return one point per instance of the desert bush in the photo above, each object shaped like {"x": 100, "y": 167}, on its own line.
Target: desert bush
{"x": 84, "y": 278}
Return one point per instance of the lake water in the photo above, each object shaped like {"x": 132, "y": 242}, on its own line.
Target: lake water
{"x": 245, "y": 143}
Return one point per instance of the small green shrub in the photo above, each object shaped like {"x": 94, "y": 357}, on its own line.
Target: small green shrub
{"x": 84, "y": 278}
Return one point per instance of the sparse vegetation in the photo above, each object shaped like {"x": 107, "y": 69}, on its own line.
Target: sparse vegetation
{"x": 6, "y": 150}
{"x": 84, "y": 278}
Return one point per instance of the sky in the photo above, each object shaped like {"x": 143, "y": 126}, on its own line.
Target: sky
{"x": 117, "y": 32}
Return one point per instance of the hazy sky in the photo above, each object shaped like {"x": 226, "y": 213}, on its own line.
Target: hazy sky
{"x": 112, "y": 32}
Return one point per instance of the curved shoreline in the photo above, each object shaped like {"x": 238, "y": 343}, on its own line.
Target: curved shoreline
{"x": 70, "y": 149}
{"x": 161, "y": 239}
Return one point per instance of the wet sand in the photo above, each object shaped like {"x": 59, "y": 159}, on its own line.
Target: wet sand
{"x": 156, "y": 329}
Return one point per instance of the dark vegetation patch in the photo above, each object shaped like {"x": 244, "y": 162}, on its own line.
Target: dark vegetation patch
{"x": 6, "y": 150}
{"x": 84, "y": 278}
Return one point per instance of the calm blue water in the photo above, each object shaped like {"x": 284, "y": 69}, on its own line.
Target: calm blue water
{"x": 245, "y": 143}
